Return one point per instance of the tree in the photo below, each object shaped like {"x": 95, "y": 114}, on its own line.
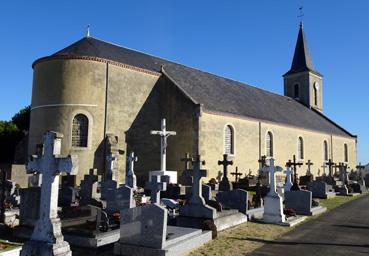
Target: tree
{"x": 22, "y": 118}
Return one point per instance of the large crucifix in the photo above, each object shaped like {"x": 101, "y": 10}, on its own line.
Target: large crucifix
{"x": 224, "y": 184}
{"x": 164, "y": 134}
{"x": 330, "y": 164}
{"x": 294, "y": 164}
{"x": 50, "y": 165}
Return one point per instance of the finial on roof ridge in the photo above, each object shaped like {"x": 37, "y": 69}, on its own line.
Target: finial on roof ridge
{"x": 88, "y": 31}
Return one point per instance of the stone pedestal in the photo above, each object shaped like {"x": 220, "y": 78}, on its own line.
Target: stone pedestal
{"x": 172, "y": 175}
{"x": 273, "y": 209}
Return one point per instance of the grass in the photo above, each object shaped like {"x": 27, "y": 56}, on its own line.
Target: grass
{"x": 247, "y": 237}
{"x": 6, "y": 246}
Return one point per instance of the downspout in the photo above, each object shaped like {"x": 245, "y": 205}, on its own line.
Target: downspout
{"x": 105, "y": 115}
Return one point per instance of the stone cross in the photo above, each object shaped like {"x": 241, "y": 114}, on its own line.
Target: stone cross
{"x": 236, "y": 174}
{"x": 271, "y": 169}
{"x": 131, "y": 180}
{"x": 330, "y": 164}
{"x": 343, "y": 173}
{"x": 156, "y": 185}
{"x": 324, "y": 166}
{"x": 294, "y": 164}
{"x": 50, "y": 165}
{"x": 309, "y": 164}
{"x": 361, "y": 169}
{"x": 111, "y": 160}
{"x": 164, "y": 134}
{"x": 197, "y": 174}
{"x": 187, "y": 160}
{"x": 262, "y": 162}
{"x": 225, "y": 164}
{"x": 288, "y": 185}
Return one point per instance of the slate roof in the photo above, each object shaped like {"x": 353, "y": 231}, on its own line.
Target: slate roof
{"x": 302, "y": 60}
{"x": 217, "y": 94}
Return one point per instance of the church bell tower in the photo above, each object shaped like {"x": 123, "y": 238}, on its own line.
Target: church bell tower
{"x": 302, "y": 82}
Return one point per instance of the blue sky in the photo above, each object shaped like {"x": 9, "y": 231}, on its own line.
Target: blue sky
{"x": 249, "y": 41}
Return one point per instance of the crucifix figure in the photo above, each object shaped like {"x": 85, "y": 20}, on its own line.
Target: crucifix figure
{"x": 156, "y": 185}
{"x": 131, "y": 180}
{"x": 330, "y": 164}
{"x": 48, "y": 227}
{"x": 164, "y": 134}
{"x": 111, "y": 159}
{"x": 288, "y": 185}
{"x": 294, "y": 164}
{"x": 236, "y": 174}
{"x": 225, "y": 185}
{"x": 309, "y": 164}
{"x": 187, "y": 160}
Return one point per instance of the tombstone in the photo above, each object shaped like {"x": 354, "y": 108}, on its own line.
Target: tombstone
{"x": 116, "y": 198}
{"x": 47, "y": 238}
{"x": 155, "y": 186}
{"x": 320, "y": 189}
{"x": 294, "y": 164}
{"x": 131, "y": 180}
{"x": 89, "y": 186}
{"x": 235, "y": 199}
{"x": 288, "y": 184}
{"x": 186, "y": 179}
{"x": 206, "y": 192}
{"x": 144, "y": 231}
{"x": 225, "y": 184}
{"x": 195, "y": 205}
{"x": 273, "y": 206}
{"x": 112, "y": 153}
{"x": 164, "y": 134}
{"x": 301, "y": 202}
{"x": 29, "y": 207}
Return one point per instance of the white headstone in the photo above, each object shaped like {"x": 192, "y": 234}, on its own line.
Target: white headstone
{"x": 131, "y": 180}
{"x": 289, "y": 184}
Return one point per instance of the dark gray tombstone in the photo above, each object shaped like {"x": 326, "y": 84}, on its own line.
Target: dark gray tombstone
{"x": 235, "y": 199}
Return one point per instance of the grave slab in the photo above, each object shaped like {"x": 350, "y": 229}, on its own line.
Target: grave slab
{"x": 301, "y": 201}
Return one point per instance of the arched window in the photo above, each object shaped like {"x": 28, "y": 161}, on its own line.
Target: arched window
{"x": 296, "y": 91}
{"x": 269, "y": 144}
{"x": 325, "y": 149}
{"x": 300, "y": 148}
{"x": 345, "y": 152}
{"x": 229, "y": 140}
{"x": 80, "y": 131}
{"x": 315, "y": 97}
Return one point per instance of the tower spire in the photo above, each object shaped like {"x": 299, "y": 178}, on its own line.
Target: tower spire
{"x": 88, "y": 31}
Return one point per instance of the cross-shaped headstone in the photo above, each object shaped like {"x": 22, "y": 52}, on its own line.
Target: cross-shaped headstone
{"x": 131, "y": 180}
{"x": 361, "y": 170}
{"x": 164, "y": 134}
{"x": 262, "y": 162}
{"x": 294, "y": 164}
{"x": 187, "y": 160}
{"x": 343, "y": 172}
{"x": 324, "y": 166}
{"x": 50, "y": 165}
{"x": 197, "y": 174}
{"x": 330, "y": 164}
{"x": 236, "y": 174}
{"x": 225, "y": 164}
{"x": 309, "y": 164}
{"x": 156, "y": 185}
{"x": 111, "y": 163}
{"x": 288, "y": 185}
{"x": 271, "y": 169}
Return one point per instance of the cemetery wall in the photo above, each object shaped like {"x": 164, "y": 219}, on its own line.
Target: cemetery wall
{"x": 247, "y": 141}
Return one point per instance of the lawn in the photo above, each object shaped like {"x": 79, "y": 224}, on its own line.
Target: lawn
{"x": 247, "y": 237}
{"x": 6, "y": 246}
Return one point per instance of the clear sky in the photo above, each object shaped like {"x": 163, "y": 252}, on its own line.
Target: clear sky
{"x": 249, "y": 41}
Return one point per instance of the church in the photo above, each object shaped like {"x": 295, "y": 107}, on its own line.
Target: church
{"x": 93, "y": 91}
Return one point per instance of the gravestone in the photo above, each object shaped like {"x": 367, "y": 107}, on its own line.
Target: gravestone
{"x": 47, "y": 238}
{"x": 288, "y": 184}
{"x": 273, "y": 206}
{"x": 116, "y": 197}
{"x": 301, "y": 202}
{"x": 225, "y": 184}
{"x": 155, "y": 186}
{"x": 29, "y": 207}
{"x": 144, "y": 231}
{"x": 164, "y": 134}
{"x": 295, "y": 164}
{"x": 235, "y": 199}
{"x": 206, "y": 192}
{"x": 131, "y": 180}
{"x": 321, "y": 189}
{"x": 186, "y": 179}
{"x": 89, "y": 185}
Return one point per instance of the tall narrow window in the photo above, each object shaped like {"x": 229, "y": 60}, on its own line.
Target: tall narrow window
{"x": 80, "y": 131}
{"x": 345, "y": 152}
{"x": 300, "y": 148}
{"x": 296, "y": 91}
{"x": 228, "y": 140}
{"x": 315, "y": 97}
{"x": 325, "y": 148}
{"x": 269, "y": 144}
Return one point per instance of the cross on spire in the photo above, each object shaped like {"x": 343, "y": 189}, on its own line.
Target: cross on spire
{"x": 187, "y": 160}
{"x": 225, "y": 164}
{"x": 301, "y": 14}
{"x": 236, "y": 174}
{"x": 164, "y": 134}
{"x": 294, "y": 164}
{"x": 88, "y": 31}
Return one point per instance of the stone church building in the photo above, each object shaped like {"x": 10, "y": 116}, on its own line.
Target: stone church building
{"x": 93, "y": 89}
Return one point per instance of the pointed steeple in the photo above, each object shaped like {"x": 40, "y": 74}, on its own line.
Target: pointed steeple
{"x": 302, "y": 60}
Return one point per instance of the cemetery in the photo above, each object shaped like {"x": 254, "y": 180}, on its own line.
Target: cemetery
{"x": 53, "y": 216}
